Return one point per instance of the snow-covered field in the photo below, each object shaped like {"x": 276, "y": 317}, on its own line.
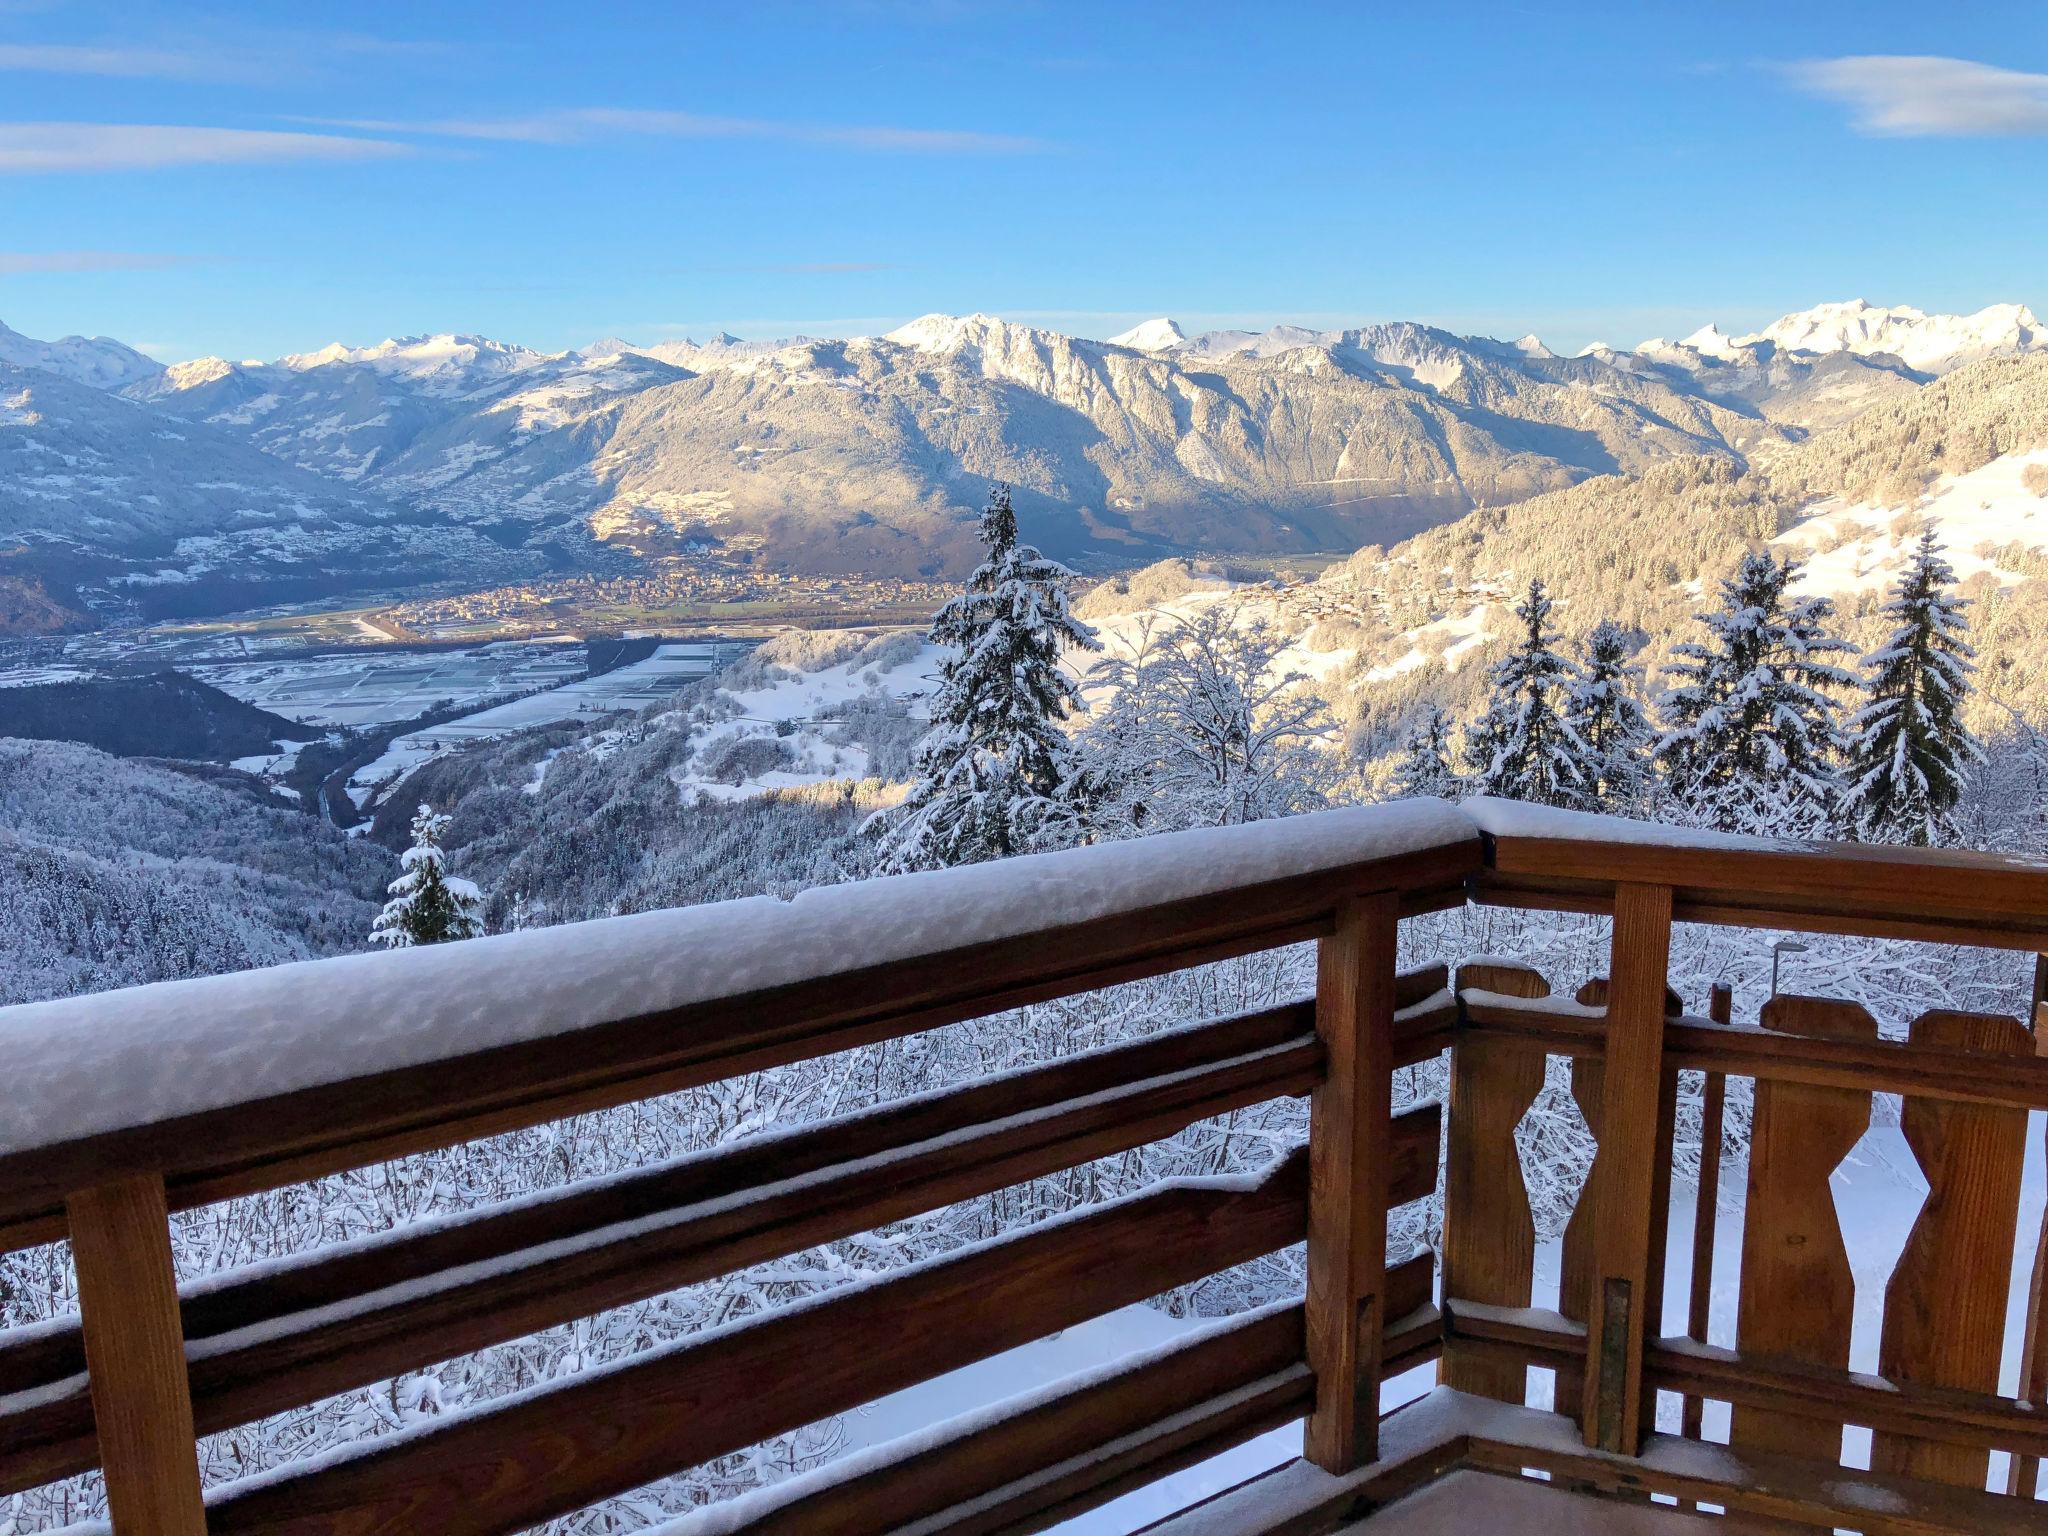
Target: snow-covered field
{"x": 656, "y": 680}
{"x": 378, "y": 687}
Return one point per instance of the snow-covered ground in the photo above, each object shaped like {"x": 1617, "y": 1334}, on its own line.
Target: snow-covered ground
{"x": 1861, "y": 548}
{"x": 379, "y": 687}
{"x": 656, "y": 680}
{"x": 799, "y": 710}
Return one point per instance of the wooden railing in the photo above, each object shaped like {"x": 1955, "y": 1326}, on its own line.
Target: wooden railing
{"x": 146, "y": 1367}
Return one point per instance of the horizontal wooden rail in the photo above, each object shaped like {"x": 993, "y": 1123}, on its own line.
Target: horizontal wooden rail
{"x": 315, "y": 1131}
{"x": 1115, "y": 1429}
{"x": 1848, "y": 888}
{"x": 293, "y": 1335}
{"x": 1742, "y": 1050}
{"x": 1692, "y": 1369}
{"x": 555, "y": 1449}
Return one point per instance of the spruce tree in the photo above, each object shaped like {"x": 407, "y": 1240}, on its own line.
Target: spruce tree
{"x": 428, "y": 906}
{"x": 1751, "y": 736}
{"x": 1604, "y": 711}
{"x": 995, "y": 769}
{"x": 1425, "y": 767}
{"x": 1910, "y": 753}
{"x": 1522, "y": 748}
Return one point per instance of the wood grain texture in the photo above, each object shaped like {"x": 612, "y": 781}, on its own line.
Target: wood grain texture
{"x": 1061, "y": 1456}
{"x": 1350, "y": 1156}
{"x": 1944, "y": 1318}
{"x": 687, "y": 1221}
{"x": 135, "y": 1354}
{"x": 1706, "y": 1210}
{"x": 305, "y": 1134}
{"x": 511, "y": 1465}
{"x": 1798, "y": 1294}
{"x": 1741, "y": 1050}
{"x": 1635, "y": 1115}
{"x": 2023, "y": 1472}
{"x": 1489, "y": 1241}
{"x": 1940, "y": 895}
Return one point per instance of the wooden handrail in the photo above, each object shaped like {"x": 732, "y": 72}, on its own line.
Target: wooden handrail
{"x": 261, "y": 1144}
{"x": 1938, "y": 895}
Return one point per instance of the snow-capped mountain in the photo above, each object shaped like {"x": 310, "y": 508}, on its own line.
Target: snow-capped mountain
{"x": 96, "y": 360}
{"x": 1927, "y": 343}
{"x": 1161, "y": 335}
{"x": 870, "y": 454}
{"x": 107, "y": 503}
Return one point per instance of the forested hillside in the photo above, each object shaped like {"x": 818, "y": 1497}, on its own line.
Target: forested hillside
{"x": 119, "y": 871}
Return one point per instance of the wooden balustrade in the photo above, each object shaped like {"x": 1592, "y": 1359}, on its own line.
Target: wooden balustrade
{"x": 147, "y": 1366}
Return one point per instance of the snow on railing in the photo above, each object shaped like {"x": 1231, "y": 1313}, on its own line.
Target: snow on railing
{"x": 84, "y": 1065}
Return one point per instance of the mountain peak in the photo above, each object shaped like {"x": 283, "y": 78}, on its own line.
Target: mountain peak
{"x": 1161, "y": 335}
{"x": 99, "y": 361}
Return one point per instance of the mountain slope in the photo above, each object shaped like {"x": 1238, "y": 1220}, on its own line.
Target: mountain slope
{"x": 98, "y": 361}
{"x": 871, "y": 454}
{"x": 116, "y": 506}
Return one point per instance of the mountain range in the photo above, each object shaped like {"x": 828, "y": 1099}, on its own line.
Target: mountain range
{"x": 214, "y": 484}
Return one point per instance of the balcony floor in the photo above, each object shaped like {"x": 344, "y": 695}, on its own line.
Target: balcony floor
{"x": 1485, "y": 1504}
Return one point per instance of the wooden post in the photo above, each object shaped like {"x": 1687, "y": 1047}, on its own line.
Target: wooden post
{"x": 1633, "y": 1103}
{"x": 135, "y": 1358}
{"x": 1349, "y": 1158}
{"x": 2023, "y": 1473}
{"x": 1707, "y": 1207}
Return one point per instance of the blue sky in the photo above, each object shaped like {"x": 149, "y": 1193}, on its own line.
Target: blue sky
{"x": 251, "y": 180}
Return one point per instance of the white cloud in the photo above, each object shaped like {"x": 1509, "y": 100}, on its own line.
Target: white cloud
{"x": 128, "y": 63}
{"x": 578, "y": 125}
{"x": 1917, "y": 95}
{"x": 52, "y": 147}
{"x": 15, "y": 262}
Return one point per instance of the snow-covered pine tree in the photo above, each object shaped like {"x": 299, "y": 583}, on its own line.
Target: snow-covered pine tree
{"x": 1522, "y": 748}
{"x": 994, "y": 770}
{"x": 427, "y": 905}
{"x": 1910, "y": 753}
{"x": 1425, "y": 767}
{"x": 1604, "y": 709}
{"x": 1751, "y": 737}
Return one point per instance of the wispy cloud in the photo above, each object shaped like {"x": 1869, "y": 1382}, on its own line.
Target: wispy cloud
{"x": 56, "y": 147}
{"x": 1922, "y": 95}
{"x": 582, "y": 125}
{"x": 16, "y": 262}
{"x": 246, "y": 55}
{"x": 126, "y": 63}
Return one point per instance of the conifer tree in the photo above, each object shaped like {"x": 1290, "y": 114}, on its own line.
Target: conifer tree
{"x": 1751, "y": 736}
{"x": 1604, "y": 710}
{"x": 1522, "y": 748}
{"x": 1910, "y": 753}
{"x": 995, "y": 769}
{"x": 1425, "y": 767}
{"x": 428, "y": 906}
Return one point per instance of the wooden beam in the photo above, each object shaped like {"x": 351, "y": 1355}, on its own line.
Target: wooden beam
{"x": 1939, "y": 895}
{"x": 1740, "y": 1050}
{"x": 515, "y": 1464}
{"x": 1633, "y": 1119}
{"x": 135, "y": 1353}
{"x": 1350, "y": 1165}
{"x": 1706, "y": 1213}
{"x": 2023, "y": 1472}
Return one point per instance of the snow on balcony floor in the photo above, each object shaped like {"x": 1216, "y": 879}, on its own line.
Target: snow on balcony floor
{"x": 1466, "y": 1502}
